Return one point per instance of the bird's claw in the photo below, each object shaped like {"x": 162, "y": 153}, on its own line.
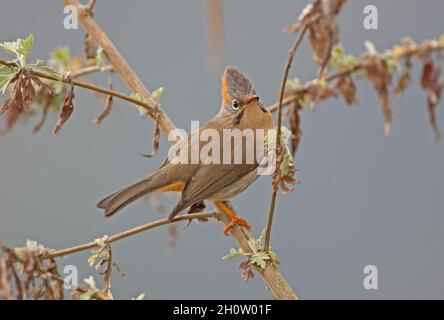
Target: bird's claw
{"x": 236, "y": 221}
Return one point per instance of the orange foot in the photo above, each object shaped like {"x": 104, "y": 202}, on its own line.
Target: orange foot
{"x": 236, "y": 221}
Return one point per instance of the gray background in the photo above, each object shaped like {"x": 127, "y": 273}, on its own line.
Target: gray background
{"x": 364, "y": 199}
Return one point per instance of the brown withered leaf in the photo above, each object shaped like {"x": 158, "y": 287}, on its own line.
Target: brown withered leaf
{"x": 404, "y": 80}
{"x": 347, "y": 88}
{"x": 28, "y": 92}
{"x": 313, "y": 11}
{"x": 323, "y": 29}
{"x": 319, "y": 91}
{"x": 323, "y": 35}
{"x": 247, "y": 267}
{"x": 47, "y": 98}
{"x": 90, "y": 46}
{"x": 294, "y": 121}
{"x": 10, "y": 118}
{"x": 22, "y": 96}
{"x": 377, "y": 72}
{"x": 23, "y": 275}
{"x": 5, "y": 105}
{"x": 66, "y": 112}
{"x": 433, "y": 87}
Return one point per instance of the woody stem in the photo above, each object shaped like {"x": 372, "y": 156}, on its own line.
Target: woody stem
{"x": 291, "y": 54}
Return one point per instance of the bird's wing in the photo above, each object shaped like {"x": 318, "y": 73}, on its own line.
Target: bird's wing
{"x": 208, "y": 180}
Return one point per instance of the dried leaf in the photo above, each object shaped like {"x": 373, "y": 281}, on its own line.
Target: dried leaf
{"x": 47, "y": 99}
{"x": 24, "y": 274}
{"x": 90, "y": 46}
{"x": 295, "y": 126}
{"x": 347, "y": 88}
{"x": 377, "y": 71}
{"x": 247, "y": 273}
{"x": 433, "y": 87}
{"x": 323, "y": 29}
{"x": 404, "y": 80}
{"x": 11, "y": 116}
{"x": 66, "y": 112}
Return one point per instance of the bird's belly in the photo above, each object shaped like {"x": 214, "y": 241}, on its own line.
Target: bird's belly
{"x": 235, "y": 188}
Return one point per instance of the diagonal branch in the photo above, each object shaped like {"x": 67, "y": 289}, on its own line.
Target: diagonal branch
{"x": 120, "y": 65}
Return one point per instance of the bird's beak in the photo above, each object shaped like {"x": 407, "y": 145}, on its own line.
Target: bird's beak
{"x": 250, "y": 99}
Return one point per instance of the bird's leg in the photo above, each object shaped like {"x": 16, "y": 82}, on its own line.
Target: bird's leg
{"x": 235, "y": 219}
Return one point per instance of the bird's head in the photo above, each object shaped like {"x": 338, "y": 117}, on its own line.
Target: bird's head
{"x": 238, "y": 96}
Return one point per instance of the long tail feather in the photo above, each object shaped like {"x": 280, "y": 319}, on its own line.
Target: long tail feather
{"x": 120, "y": 199}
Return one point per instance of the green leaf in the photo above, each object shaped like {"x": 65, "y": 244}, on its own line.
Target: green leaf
{"x": 233, "y": 253}
{"x": 137, "y": 96}
{"x": 287, "y": 161}
{"x": 260, "y": 259}
{"x": 10, "y": 48}
{"x": 25, "y": 46}
{"x": 19, "y": 49}
{"x": 341, "y": 60}
{"x": 40, "y": 64}
{"x": 60, "y": 58}
{"x": 92, "y": 259}
{"x": 157, "y": 94}
{"x": 271, "y": 136}
{"x": 7, "y": 73}
{"x": 295, "y": 82}
{"x": 370, "y": 46}
{"x": 100, "y": 58}
{"x": 253, "y": 245}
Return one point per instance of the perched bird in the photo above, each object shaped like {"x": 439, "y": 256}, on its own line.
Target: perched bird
{"x": 218, "y": 181}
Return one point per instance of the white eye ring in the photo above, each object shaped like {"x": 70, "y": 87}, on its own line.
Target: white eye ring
{"x": 235, "y": 104}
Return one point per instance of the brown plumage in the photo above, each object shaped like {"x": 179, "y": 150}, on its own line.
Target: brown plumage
{"x": 240, "y": 109}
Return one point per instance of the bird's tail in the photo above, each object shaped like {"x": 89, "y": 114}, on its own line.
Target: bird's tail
{"x": 120, "y": 199}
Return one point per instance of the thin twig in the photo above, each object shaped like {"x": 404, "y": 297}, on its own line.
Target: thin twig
{"x": 90, "y": 69}
{"x": 90, "y": 5}
{"x": 130, "y": 232}
{"x": 291, "y": 54}
{"x": 86, "y": 85}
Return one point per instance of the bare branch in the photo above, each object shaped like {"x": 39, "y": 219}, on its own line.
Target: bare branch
{"x": 278, "y": 131}
{"x": 130, "y": 232}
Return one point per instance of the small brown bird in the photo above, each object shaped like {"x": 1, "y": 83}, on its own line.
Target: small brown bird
{"x": 199, "y": 181}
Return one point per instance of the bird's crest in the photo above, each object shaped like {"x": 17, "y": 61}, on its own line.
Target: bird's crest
{"x": 235, "y": 85}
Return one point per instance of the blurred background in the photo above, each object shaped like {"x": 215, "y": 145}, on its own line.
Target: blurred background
{"x": 363, "y": 199}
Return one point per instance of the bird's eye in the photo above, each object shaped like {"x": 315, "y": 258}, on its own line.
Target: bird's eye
{"x": 235, "y": 104}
